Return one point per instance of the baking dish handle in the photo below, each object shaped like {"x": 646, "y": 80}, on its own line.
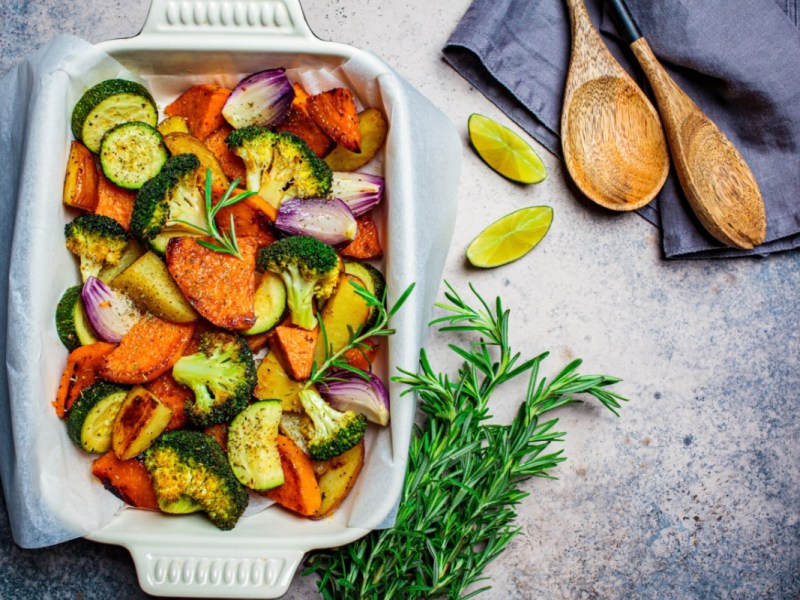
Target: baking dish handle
{"x": 195, "y": 18}
{"x": 199, "y": 572}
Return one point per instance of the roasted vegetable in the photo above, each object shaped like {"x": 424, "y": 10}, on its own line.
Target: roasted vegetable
{"x": 132, "y": 153}
{"x": 183, "y": 143}
{"x": 309, "y": 269}
{"x": 111, "y": 313}
{"x": 190, "y": 473}
{"x": 141, "y": 419}
{"x": 253, "y": 446}
{"x": 295, "y": 348}
{"x": 279, "y": 165}
{"x": 97, "y": 241}
{"x": 329, "y": 220}
{"x": 299, "y": 491}
{"x": 360, "y": 191}
{"x": 170, "y": 204}
{"x": 110, "y": 103}
{"x": 334, "y": 431}
{"x": 343, "y": 314}
{"x": 348, "y": 391}
{"x": 126, "y": 479}
{"x": 374, "y": 129}
{"x": 336, "y": 113}
{"x": 201, "y": 106}
{"x": 91, "y": 418}
{"x": 81, "y": 371}
{"x": 72, "y": 325}
{"x": 338, "y": 477}
{"x": 259, "y": 99}
{"x": 222, "y": 375}
{"x": 80, "y": 181}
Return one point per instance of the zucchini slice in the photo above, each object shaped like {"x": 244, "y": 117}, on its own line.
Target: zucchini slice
{"x": 91, "y": 419}
{"x": 110, "y": 103}
{"x": 253, "y": 445}
{"x": 373, "y": 281}
{"x": 131, "y": 153}
{"x": 72, "y": 325}
{"x": 269, "y": 303}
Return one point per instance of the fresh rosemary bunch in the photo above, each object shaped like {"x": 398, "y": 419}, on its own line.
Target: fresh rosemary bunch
{"x": 465, "y": 475}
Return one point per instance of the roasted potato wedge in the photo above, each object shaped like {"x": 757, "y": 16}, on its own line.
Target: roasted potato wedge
{"x": 339, "y": 479}
{"x": 183, "y": 143}
{"x": 141, "y": 419}
{"x": 373, "y": 127}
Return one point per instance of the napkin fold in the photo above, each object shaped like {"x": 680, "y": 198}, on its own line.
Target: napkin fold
{"x": 737, "y": 59}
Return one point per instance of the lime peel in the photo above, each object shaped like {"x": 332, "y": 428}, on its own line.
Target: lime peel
{"x": 511, "y": 237}
{"x": 505, "y": 151}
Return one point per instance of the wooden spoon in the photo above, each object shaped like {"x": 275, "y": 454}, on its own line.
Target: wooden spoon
{"x": 715, "y": 178}
{"x": 613, "y": 144}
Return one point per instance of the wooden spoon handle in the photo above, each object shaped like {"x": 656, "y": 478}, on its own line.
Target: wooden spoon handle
{"x": 590, "y": 57}
{"x": 717, "y": 182}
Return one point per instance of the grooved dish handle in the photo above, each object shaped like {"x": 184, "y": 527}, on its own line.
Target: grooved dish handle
{"x": 283, "y": 18}
{"x": 190, "y": 572}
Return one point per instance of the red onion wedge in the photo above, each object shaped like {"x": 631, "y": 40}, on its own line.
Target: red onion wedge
{"x": 351, "y": 392}
{"x": 328, "y": 219}
{"x": 111, "y": 313}
{"x": 360, "y": 191}
{"x": 261, "y": 99}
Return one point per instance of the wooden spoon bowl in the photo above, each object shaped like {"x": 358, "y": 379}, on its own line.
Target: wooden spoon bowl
{"x": 614, "y": 146}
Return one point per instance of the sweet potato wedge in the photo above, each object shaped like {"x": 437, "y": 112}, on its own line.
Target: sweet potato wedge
{"x": 336, "y": 114}
{"x": 362, "y": 359}
{"x": 367, "y": 244}
{"x": 294, "y": 348}
{"x": 300, "y": 491}
{"x": 231, "y": 164}
{"x": 201, "y": 106}
{"x": 174, "y": 395}
{"x": 252, "y": 217}
{"x": 114, "y": 201}
{"x": 126, "y": 479}
{"x": 298, "y": 122}
{"x": 80, "y": 372}
{"x": 148, "y": 350}
{"x": 219, "y": 286}
{"x": 80, "y": 181}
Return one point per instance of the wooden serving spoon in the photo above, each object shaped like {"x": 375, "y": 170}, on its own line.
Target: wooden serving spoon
{"x": 613, "y": 144}
{"x": 715, "y": 178}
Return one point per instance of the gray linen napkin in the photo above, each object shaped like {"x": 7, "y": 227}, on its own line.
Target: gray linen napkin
{"x": 738, "y": 60}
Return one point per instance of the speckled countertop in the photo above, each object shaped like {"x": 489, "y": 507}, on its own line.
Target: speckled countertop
{"x": 693, "y": 493}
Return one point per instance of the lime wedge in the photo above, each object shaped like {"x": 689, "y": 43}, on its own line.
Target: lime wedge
{"x": 505, "y": 151}
{"x": 510, "y": 237}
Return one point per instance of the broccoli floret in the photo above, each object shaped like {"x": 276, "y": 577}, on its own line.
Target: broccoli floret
{"x": 309, "y": 269}
{"x": 166, "y": 200}
{"x": 190, "y": 473}
{"x": 97, "y": 240}
{"x": 279, "y": 165}
{"x": 334, "y": 432}
{"x": 222, "y": 375}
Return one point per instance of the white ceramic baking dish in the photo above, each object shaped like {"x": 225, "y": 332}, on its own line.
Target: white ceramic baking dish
{"x": 186, "y": 556}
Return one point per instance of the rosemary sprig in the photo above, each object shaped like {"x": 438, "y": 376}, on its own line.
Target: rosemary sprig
{"x": 225, "y": 242}
{"x": 465, "y": 476}
{"x": 357, "y": 338}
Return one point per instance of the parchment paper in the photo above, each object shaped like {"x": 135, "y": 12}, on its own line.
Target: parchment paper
{"x": 50, "y": 492}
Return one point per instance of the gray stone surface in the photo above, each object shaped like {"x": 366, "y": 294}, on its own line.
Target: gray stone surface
{"x": 693, "y": 493}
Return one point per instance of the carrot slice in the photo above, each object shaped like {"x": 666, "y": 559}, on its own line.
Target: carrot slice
{"x": 252, "y": 217}
{"x": 336, "y": 113}
{"x": 80, "y": 182}
{"x": 232, "y": 165}
{"x": 174, "y": 395}
{"x": 300, "y": 491}
{"x": 201, "y": 106}
{"x": 126, "y": 479}
{"x": 258, "y": 341}
{"x": 295, "y": 349}
{"x": 83, "y": 364}
{"x": 219, "y": 286}
{"x": 367, "y": 244}
{"x": 114, "y": 201}
{"x": 149, "y": 349}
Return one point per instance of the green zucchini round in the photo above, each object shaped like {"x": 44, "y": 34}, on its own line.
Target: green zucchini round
{"x": 373, "y": 280}
{"x": 269, "y": 303}
{"x": 72, "y": 325}
{"x": 131, "y": 153}
{"x": 110, "y": 103}
{"x": 91, "y": 418}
